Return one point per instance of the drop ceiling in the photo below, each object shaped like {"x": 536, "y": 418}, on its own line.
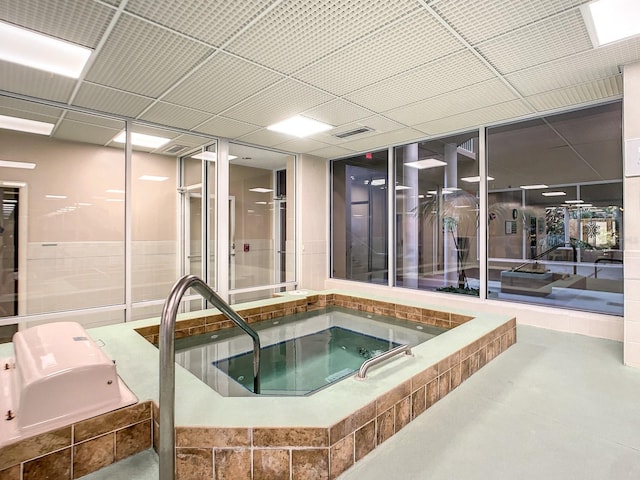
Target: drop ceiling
{"x": 407, "y": 69}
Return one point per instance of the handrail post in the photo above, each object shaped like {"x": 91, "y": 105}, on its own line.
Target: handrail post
{"x": 167, "y": 372}
{"x": 362, "y": 373}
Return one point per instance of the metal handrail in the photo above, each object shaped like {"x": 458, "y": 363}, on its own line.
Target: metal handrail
{"x": 546, "y": 252}
{"x": 362, "y": 373}
{"x": 166, "y": 449}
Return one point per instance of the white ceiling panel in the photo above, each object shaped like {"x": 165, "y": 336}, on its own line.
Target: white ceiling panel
{"x": 495, "y": 113}
{"x": 476, "y": 96}
{"x": 29, "y": 110}
{"x": 212, "y": 21}
{"x": 331, "y": 152}
{"x": 174, "y": 115}
{"x": 110, "y": 100}
{"x": 541, "y": 42}
{"x": 375, "y": 57}
{"x": 578, "y": 94}
{"x": 276, "y": 103}
{"x": 36, "y": 83}
{"x": 337, "y": 112}
{"x": 383, "y": 139}
{"x": 226, "y": 127}
{"x": 440, "y": 76}
{"x": 144, "y": 59}
{"x": 585, "y": 67}
{"x": 95, "y": 120}
{"x": 84, "y": 132}
{"x": 301, "y": 145}
{"x": 377, "y": 123}
{"x": 295, "y": 34}
{"x": 80, "y": 22}
{"x": 221, "y": 82}
{"x": 265, "y": 137}
{"x": 480, "y": 20}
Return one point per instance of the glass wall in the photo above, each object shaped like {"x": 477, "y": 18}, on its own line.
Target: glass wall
{"x": 555, "y": 211}
{"x": 359, "y": 218}
{"x": 261, "y": 223}
{"x": 437, "y": 211}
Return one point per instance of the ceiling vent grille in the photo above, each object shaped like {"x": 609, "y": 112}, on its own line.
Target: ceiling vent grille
{"x": 351, "y": 133}
{"x": 175, "y": 149}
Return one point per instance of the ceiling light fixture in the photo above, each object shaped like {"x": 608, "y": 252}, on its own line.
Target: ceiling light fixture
{"x": 24, "y": 125}
{"x": 611, "y": 20}
{"x": 573, "y": 201}
{"x": 113, "y": 190}
{"x": 57, "y": 197}
{"x": 376, "y": 182}
{"x": 261, "y": 190}
{"x": 553, "y": 194}
{"x": 210, "y": 156}
{"x": 534, "y": 187}
{"x": 402, "y": 187}
{"x": 425, "y": 163}
{"x": 299, "y": 126}
{"x": 23, "y": 165}
{"x": 153, "y": 178}
{"x": 475, "y": 179}
{"x": 35, "y": 50}
{"x": 142, "y": 140}
{"x": 13, "y": 184}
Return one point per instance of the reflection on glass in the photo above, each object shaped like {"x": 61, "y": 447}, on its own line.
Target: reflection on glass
{"x": 437, "y": 214}
{"x": 555, "y": 211}
{"x": 359, "y": 205}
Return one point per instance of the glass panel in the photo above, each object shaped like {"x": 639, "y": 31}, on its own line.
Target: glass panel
{"x": 261, "y": 217}
{"x": 555, "y": 211}
{"x": 359, "y": 218}
{"x": 63, "y": 212}
{"x": 437, "y": 214}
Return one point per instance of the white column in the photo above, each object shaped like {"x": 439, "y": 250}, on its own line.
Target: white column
{"x": 450, "y": 252}
{"x": 410, "y": 230}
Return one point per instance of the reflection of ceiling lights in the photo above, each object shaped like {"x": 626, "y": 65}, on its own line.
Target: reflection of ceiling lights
{"x": 153, "y": 178}
{"x": 533, "y": 187}
{"x": 210, "y": 156}
{"x": 611, "y": 20}
{"x": 376, "y": 182}
{"x": 142, "y": 140}
{"x": 24, "y": 125}
{"x": 31, "y": 49}
{"x": 553, "y": 194}
{"x": 261, "y": 190}
{"x": 402, "y": 187}
{"x": 574, "y": 201}
{"x": 299, "y": 126}
{"x": 475, "y": 179}
{"x": 57, "y": 197}
{"x": 13, "y": 184}
{"x": 585, "y": 205}
{"x": 25, "y": 165}
{"x": 426, "y": 163}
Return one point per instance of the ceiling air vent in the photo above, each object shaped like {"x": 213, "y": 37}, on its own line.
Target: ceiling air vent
{"x": 175, "y": 149}
{"x": 351, "y": 133}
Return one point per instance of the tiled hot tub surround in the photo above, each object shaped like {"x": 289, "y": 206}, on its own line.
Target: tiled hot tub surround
{"x": 324, "y": 453}
{"x": 79, "y": 449}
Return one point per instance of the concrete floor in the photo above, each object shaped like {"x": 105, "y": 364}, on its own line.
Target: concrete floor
{"x": 554, "y": 406}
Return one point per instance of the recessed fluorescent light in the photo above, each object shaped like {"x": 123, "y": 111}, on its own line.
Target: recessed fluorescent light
{"x": 25, "y": 165}
{"x": 153, "y": 178}
{"x": 611, "y": 20}
{"x": 13, "y": 184}
{"x": 300, "y": 126}
{"x": 261, "y": 203}
{"x": 142, "y": 140}
{"x": 585, "y": 205}
{"x": 210, "y": 156}
{"x": 84, "y": 204}
{"x": 553, "y": 194}
{"x": 26, "y": 47}
{"x": 432, "y": 192}
{"x": 261, "y": 190}
{"x": 426, "y": 163}
{"x": 574, "y": 201}
{"x": 60, "y": 197}
{"x": 475, "y": 179}
{"x": 113, "y": 190}
{"x": 24, "y": 125}
{"x": 534, "y": 187}
{"x": 402, "y": 187}
{"x": 376, "y": 182}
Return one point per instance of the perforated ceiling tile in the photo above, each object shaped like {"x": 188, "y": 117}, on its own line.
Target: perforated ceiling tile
{"x": 582, "y": 68}
{"x": 36, "y": 83}
{"x": 144, "y": 59}
{"x": 480, "y": 20}
{"x": 337, "y": 112}
{"x": 331, "y": 152}
{"x": 212, "y": 21}
{"x": 84, "y": 132}
{"x": 295, "y": 34}
{"x": 400, "y": 136}
{"x": 443, "y": 75}
{"x": 476, "y": 96}
{"x": 109, "y": 100}
{"x": 221, "y": 82}
{"x": 488, "y": 115}
{"x": 277, "y": 103}
{"x": 605, "y": 88}
{"x": 541, "y": 42}
{"x": 95, "y": 120}
{"x": 300, "y": 145}
{"x": 29, "y": 115}
{"x": 21, "y": 108}
{"x": 265, "y": 137}
{"x": 174, "y": 115}
{"x": 414, "y": 41}
{"x": 78, "y": 22}
{"x": 225, "y": 127}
